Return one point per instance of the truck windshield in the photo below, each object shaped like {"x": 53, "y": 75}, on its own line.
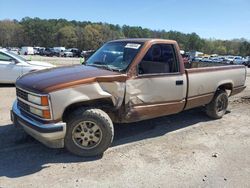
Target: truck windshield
{"x": 115, "y": 56}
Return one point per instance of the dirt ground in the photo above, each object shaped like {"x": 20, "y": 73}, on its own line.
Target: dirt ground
{"x": 183, "y": 150}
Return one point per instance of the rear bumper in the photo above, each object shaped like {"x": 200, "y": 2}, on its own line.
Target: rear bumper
{"x": 51, "y": 135}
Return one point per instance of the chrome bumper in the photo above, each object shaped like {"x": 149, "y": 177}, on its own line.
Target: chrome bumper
{"x": 51, "y": 135}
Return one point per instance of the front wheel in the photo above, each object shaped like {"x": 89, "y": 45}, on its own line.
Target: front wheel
{"x": 218, "y": 106}
{"x": 89, "y": 132}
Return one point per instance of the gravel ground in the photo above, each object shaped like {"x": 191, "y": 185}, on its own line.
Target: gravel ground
{"x": 183, "y": 150}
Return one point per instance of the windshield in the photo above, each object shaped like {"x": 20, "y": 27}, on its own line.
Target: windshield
{"x": 16, "y": 56}
{"x": 115, "y": 56}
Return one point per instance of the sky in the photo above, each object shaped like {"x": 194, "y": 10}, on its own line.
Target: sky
{"x": 216, "y": 19}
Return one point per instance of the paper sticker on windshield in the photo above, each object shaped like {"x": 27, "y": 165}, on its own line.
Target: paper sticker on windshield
{"x": 133, "y": 45}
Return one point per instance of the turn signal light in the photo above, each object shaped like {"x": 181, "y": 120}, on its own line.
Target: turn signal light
{"x": 46, "y": 114}
{"x": 44, "y": 101}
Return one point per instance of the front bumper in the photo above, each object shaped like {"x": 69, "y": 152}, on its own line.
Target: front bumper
{"x": 51, "y": 135}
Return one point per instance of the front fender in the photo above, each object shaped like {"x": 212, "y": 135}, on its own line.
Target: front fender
{"x": 61, "y": 99}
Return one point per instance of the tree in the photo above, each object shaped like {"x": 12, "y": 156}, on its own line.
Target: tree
{"x": 66, "y": 36}
{"x": 11, "y": 33}
{"x": 194, "y": 42}
{"x": 88, "y": 35}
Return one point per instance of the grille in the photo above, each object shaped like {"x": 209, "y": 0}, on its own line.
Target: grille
{"x": 23, "y": 106}
{"x": 22, "y": 94}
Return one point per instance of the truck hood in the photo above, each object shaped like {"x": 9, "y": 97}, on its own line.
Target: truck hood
{"x": 50, "y": 80}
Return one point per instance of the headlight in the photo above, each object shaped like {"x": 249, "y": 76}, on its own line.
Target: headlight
{"x": 34, "y": 99}
{"x": 43, "y": 100}
{"x": 36, "y": 111}
{"x": 41, "y": 113}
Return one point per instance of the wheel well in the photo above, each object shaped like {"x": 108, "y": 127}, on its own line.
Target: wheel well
{"x": 225, "y": 87}
{"x": 104, "y": 104}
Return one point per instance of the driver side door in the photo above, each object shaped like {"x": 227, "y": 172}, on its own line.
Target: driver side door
{"x": 159, "y": 88}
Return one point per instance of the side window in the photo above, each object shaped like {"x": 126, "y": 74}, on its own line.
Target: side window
{"x": 4, "y": 57}
{"x": 160, "y": 58}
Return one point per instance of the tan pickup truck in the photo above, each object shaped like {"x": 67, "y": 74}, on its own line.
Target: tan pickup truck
{"x": 124, "y": 81}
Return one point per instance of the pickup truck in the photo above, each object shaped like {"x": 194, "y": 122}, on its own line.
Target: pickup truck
{"x": 124, "y": 81}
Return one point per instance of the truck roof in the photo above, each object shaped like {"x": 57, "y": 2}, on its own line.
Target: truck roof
{"x": 144, "y": 40}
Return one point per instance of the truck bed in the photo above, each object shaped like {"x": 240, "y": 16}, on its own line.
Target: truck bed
{"x": 202, "y": 82}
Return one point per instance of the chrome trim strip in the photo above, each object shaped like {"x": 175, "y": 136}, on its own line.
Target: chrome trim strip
{"x": 159, "y": 74}
{"x": 158, "y": 104}
{"x": 33, "y": 105}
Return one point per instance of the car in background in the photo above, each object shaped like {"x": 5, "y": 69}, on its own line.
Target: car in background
{"x": 76, "y": 52}
{"x": 217, "y": 59}
{"x": 238, "y": 60}
{"x": 59, "y": 49}
{"x": 87, "y": 54}
{"x": 197, "y": 59}
{"x": 247, "y": 61}
{"x": 67, "y": 53}
{"x": 234, "y": 60}
{"x": 37, "y": 50}
{"x": 26, "y": 50}
{"x": 48, "y": 52}
{"x": 206, "y": 59}
{"x": 14, "y": 50}
{"x": 13, "y": 66}
{"x": 247, "y": 64}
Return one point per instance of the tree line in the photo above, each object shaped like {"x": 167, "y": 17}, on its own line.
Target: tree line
{"x": 87, "y": 36}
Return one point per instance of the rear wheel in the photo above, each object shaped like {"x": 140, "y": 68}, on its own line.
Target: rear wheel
{"x": 89, "y": 132}
{"x": 218, "y": 106}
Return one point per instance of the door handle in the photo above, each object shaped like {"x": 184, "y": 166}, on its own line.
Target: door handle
{"x": 179, "y": 82}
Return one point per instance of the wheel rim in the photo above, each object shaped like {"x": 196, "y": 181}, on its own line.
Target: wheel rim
{"x": 221, "y": 105}
{"x": 87, "y": 134}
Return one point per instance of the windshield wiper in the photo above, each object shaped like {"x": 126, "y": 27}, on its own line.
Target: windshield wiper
{"x": 104, "y": 66}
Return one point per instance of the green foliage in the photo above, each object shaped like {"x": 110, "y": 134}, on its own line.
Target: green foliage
{"x": 10, "y": 33}
{"x": 66, "y": 36}
{"x": 88, "y": 35}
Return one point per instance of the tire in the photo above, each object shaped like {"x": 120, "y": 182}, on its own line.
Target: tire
{"x": 218, "y": 106}
{"x": 89, "y": 132}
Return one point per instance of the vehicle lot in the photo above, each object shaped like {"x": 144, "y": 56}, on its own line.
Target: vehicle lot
{"x": 187, "y": 149}
{"x": 59, "y": 61}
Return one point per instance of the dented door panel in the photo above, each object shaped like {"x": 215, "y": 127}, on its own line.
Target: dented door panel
{"x": 150, "y": 97}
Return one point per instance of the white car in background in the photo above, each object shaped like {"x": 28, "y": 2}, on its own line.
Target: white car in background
{"x": 234, "y": 60}
{"x": 27, "y": 50}
{"x": 13, "y": 66}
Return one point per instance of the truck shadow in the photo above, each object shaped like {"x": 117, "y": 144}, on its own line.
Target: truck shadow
{"x": 21, "y": 155}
